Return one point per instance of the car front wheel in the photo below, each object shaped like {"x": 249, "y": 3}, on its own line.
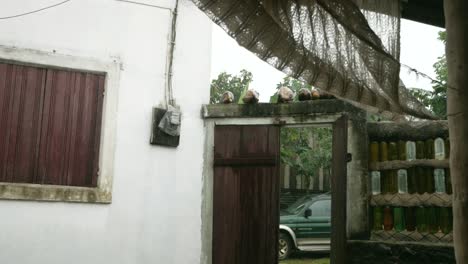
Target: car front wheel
{"x": 285, "y": 246}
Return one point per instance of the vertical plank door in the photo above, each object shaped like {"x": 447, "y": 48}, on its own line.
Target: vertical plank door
{"x": 246, "y": 195}
{"x": 338, "y": 190}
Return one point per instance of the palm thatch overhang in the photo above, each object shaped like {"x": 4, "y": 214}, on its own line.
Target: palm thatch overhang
{"x": 349, "y": 48}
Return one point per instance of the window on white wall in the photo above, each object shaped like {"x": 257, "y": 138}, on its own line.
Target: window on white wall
{"x": 50, "y": 125}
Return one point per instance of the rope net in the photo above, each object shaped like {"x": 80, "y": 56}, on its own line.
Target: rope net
{"x": 330, "y": 44}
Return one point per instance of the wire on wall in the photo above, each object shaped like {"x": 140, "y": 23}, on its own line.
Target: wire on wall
{"x": 144, "y": 4}
{"x": 172, "y": 42}
{"x": 168, "y": 91}
{"x": 34, "y": 11}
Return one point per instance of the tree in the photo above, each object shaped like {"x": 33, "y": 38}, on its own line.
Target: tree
{"x": 456, "y": 23}
{"x": 306, "y": 149}
{"x": 439, "y": 95}
{"x": 423, "y": 96}
{"x": 237, "y": 84}
{"x": 436, "y": 100}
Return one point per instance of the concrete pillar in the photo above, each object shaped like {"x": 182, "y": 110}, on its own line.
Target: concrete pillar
{"x": 358, "y": 197}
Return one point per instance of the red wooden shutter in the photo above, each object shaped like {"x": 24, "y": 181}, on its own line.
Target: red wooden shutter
{"x": 246, "y": 195}
{"x": 50, "y": 125}
{"x": 69, "y": 146}
{"x": 21, "y": 99}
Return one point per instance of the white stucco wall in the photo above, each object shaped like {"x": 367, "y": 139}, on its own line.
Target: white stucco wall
{"x": 155, "y": 213}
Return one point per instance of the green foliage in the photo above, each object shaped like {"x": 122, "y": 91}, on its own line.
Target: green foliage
{"x": 424, "y": 96}
{"x": 237, "y": 84}
{"x": 439, "y": 95}
{"x": 241, "y": 95}
{"x": 292, "y": 84}
{"x": 436, "y": 100}
{"x": 306, "y": 149}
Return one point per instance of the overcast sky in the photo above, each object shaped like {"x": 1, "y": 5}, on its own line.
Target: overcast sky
{"x": 420, "y": 49}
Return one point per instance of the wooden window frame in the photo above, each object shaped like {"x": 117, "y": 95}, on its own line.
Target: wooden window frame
{"x": 102, "y": 193}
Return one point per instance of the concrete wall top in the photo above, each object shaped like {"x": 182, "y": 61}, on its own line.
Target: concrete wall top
{"x": 304, "y": 108}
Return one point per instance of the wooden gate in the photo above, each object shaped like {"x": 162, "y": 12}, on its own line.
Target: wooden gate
{"x": 246, "y": 195}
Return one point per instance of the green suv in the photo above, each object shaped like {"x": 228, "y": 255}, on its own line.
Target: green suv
{"x": 305, "y": 225}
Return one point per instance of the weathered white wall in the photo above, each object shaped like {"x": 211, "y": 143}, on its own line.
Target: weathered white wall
{"x": 155, "y": 215}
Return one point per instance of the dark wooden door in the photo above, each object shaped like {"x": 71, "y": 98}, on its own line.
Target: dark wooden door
{"x": 246, "y": 195}
{"x": 338, "y": 190}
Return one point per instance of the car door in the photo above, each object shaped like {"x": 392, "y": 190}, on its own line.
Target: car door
{"x": 316, "y": 229}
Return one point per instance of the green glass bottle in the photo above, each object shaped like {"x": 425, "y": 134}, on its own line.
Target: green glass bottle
{"x": 384, "y": 178}
{"x": 432, "y": 219}
{"x": 383, "y": 182}
{"x": 388, "y": 218}
{"x": 429, "y": 149}
{"x": 392, "y": 151}
{"x": 430, "y": 184}
{"x": 377, "y": 213}
{"x": 399, "y": 218}
{"x": 420, "y": 180}
{"x": 421, "y": 221}
{"x": 410, "y": 150}
{"x": 383, "y": 151}
{"x": 376, "y": 182}
{"x": 446, "y": 224}
{"x": 401, "y": 150}
{"x": 439, "y": 149}
{"x": 374, "y": 152}
{"x": 402, "y": 181}
{"x": 392, "y": 181}
{"x": 410, "y": 218}
{"x": 412, "y": 181}
{"x": 420, "y": 150}
{"x": 439, "y": 181}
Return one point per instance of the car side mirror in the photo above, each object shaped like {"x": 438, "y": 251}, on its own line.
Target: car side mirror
{"x": 307, "y": 213}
